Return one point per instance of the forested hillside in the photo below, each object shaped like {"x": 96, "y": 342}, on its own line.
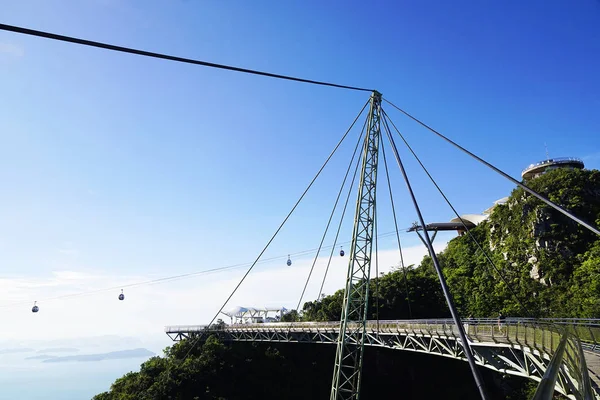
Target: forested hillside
{"x": 545, "y": 265}
{"x": 218, "y": 371}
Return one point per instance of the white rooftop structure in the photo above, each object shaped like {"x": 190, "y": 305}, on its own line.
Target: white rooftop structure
{"x": 496, "y": 203}
{"x": 539, "y": 168}
{"x": 245, "y": 315}
{"x": 476, "y": 219}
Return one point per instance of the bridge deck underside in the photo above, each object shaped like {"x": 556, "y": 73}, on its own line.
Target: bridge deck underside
{"x": 494, "y": 352}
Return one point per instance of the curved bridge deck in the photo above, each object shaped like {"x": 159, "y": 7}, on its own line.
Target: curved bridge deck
{"x": 522, "y": 347}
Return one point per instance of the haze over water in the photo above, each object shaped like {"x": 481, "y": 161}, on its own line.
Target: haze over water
{"x": 33, "y": 379}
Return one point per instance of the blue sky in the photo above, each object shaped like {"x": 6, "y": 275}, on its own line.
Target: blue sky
{"x": 128, "y": 167}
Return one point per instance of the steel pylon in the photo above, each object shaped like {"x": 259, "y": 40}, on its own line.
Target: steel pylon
{"x": 350, "y": 343}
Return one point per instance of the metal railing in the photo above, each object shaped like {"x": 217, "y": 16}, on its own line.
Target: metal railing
{"x": 557, "y": 160}
{"x": 542, "y": 336}
{"x": 520, "y": 330}
{"x": 530, "y": 331}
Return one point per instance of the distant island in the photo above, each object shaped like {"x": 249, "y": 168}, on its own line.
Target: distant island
{"x": 113, "y": 355}
{"x": 551, "y": 265}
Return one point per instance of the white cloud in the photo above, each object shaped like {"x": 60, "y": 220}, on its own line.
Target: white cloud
{"x": 148, "y": 308}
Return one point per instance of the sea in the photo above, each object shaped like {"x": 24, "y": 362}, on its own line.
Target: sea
{"x": 61, "y": 381}
{"x": 32, "y": 379}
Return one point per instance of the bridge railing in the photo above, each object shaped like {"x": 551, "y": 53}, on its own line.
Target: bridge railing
{"x": 536, "y": 333}
{"x": 541, "y": 335}
{"x": 546, "y": 336}
{"x": 556, "y": 160}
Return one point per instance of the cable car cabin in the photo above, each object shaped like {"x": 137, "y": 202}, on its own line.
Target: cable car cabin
{"x": 289, "y": 261}
{"x": 121, "y": 296}
{"x": 35, "y": 307}
{"x": 342, "y": 252}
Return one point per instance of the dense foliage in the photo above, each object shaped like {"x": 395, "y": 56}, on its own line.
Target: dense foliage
{"x": 217, "y": 371}
{"x": 544, "y": 265}
{"x": 526, "y": 260}
{"x": 213, "y": 370}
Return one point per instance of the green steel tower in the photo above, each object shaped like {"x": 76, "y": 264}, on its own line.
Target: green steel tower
{"x": 351, "y": 339}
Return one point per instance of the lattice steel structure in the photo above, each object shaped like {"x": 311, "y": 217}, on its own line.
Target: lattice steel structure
{"x": 520, "y": 347}
{"x": 351, "y": 338}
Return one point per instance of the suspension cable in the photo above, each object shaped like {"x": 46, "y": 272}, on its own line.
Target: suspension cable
{"x": 355, "y": 175}
{"x": 504, "y": 174}
{"x": 448, "y": 296}
{"x": 460, "y": 218}
{"x": 282, "y": 224}
{"x": 387, "y": 175}
{"x": 106, "y": 46}
{"x": 331, "y": 216}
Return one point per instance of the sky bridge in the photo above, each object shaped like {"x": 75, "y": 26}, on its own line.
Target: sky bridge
{"x": 561, "y": 355}
{"x": 554, "y": 353}
{"x": 530, "y": 348}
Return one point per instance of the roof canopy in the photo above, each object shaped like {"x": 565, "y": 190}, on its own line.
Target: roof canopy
{"x": 443, "y": 226}
{"x": 245, "y": 311}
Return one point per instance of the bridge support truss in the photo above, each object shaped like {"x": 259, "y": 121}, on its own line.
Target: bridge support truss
{"x": 522, "y": 350}
{"x": 351, "y": 338}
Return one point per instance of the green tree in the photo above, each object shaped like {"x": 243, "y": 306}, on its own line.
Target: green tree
{"x": 544, "y": 262}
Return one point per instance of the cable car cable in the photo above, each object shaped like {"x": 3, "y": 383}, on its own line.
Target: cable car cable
{"x": 282, "y": 223}
{"x": 176, "y": 277}
{"x": 106, "y": 46}
{"x": 337, "y": 199}
{"x": 159, "y": 280}
{"x": 355, "y": 175}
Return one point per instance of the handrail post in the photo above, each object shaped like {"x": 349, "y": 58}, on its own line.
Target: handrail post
{"x": 593, "y": 337}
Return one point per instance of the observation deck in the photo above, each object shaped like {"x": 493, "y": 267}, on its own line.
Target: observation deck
{"x": 537, "y": 169}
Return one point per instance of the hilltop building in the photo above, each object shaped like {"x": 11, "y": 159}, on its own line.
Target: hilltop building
{"x": 541, "y": 167}
{"x": 531, "y": 172}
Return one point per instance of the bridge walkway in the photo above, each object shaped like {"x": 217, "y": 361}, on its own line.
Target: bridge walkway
{"x": 593, "y": 363}
{"x": 517, "y": 346}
